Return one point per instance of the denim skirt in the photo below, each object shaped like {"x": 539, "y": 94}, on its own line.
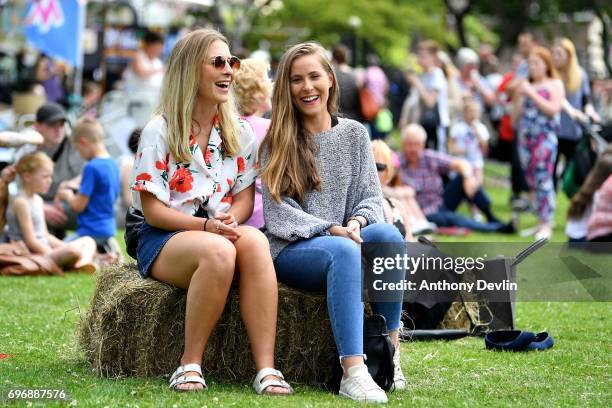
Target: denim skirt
{"x": 151, "y": 240}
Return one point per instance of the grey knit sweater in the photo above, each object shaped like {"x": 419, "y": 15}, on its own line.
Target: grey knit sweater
{"x": 349, "y": 187}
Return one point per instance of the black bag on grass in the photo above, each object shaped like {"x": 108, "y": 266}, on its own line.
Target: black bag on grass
{"x": 379, "y": 350}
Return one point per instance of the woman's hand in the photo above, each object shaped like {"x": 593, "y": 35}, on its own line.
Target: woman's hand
{"x": 525, "y": 88}
{"x": 224, "y": 224}
{"x": 353, "y": 228}
{"x": 226, "y": 218}
{"x": 350, "y": 231}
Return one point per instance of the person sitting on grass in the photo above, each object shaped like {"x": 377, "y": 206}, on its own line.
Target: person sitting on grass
{"x": 99, "y": 189}
{"x": 422, "y": 169}
{"x": 404, "y": 195}
{"x": 26, "y": 218}
{"x": 67, "y": 165}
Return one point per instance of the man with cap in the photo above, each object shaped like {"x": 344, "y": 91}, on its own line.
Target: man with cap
{"x": 68, "y": 164}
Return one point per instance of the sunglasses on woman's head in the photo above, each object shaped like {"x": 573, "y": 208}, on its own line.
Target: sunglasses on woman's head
{"x": 219, "y": 62}
{"x": 381, "y": 166}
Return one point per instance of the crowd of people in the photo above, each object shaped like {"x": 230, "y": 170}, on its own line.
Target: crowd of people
{"x": 281, "y": 179}
{"x": 534, "y": 116}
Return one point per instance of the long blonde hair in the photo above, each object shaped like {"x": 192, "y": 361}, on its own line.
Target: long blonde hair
{"x": 291, "y": 169}
{"x": 180, "y": 91}
{"x": 571, "y": 75}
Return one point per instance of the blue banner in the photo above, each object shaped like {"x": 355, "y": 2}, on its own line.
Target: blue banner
{"x": 55, "y": 27}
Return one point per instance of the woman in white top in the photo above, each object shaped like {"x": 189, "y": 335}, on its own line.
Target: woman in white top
{"x": 194, "y": 181}
{"x": 146, "y": 71}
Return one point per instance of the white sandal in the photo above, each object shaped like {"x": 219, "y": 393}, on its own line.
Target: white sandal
{"x": 260, "y": 387}
{"x": 179, "y": 377}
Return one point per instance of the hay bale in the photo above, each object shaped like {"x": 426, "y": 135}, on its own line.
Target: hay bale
{"x": 136, "y": 327}
{"x": 461, "y": 315}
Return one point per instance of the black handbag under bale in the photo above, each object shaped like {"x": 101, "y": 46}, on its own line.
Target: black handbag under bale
{"x": 379, "y": 350}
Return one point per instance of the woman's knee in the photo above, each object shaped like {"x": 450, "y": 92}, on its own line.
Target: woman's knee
{"x": 252, "y": 240}
{"x": 218, "y": 258}
{"x": 343, "y": 248}
{"x": 382, "y": 232}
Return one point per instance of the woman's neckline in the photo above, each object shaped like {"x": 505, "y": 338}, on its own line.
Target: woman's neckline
{"x": 335, "y": 121}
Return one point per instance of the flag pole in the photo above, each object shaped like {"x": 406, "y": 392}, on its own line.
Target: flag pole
{"x": 78, "y": 72}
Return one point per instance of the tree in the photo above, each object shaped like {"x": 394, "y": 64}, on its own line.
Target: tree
{"x": 389, "y": 26}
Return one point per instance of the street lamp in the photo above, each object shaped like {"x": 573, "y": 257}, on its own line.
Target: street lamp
{"x": 355, "y": 22}
{"x": 459, "y": 8}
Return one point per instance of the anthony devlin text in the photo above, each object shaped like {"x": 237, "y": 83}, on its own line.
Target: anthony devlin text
{"x": 444, "y": 285}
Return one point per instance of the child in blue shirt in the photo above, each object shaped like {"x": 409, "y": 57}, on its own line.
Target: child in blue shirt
{"x": 99, "y": 189}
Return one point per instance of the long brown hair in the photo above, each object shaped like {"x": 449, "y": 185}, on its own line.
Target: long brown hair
{"x": 291, "y": 169}
{"x": 180, "y": 90}
{"x": 598, "y": 175}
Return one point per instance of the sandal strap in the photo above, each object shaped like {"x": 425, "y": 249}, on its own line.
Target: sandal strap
{"x": 181, "y": 370}
{"x": 187, "y": 380}
{"x": 260, "y": 386}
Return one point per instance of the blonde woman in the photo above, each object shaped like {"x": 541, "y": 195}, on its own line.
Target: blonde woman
{"x": 577, "y": 98}
{"x": 253, "y": 90}
{"x": 322, "y": 199}
{"x": 395, "y": 212}
{"x": 193, "y": 180}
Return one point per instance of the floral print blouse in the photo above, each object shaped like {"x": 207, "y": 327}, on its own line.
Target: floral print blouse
{"x": 209, "y": 180}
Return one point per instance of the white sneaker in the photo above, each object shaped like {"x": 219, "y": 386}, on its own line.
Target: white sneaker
{"x": 360, "y": 386}
{"x": 422, "y": 227}
{"x": 399, "y": 380}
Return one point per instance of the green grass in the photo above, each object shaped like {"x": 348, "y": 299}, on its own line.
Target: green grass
{"x": 39, "y": 317}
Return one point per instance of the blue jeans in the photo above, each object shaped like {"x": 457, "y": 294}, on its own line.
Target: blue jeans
{"x": 333, "y": 264}
{"x": 454, "y": 194}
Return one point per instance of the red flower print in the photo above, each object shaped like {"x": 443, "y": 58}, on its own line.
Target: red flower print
{"x": 162, "y": 164}
{"x": 230, "y": 182}
{"x": 219, "y": 188}
{"x": 228, "y": 198}
{"x": 241, "y": 164}
{"x": 207, "y": 156}
{"x": 181, "y": 180}
{"x": 192, "y": 140}
{"x": 139, "y": 187}
{"x": 144, "y": 177}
